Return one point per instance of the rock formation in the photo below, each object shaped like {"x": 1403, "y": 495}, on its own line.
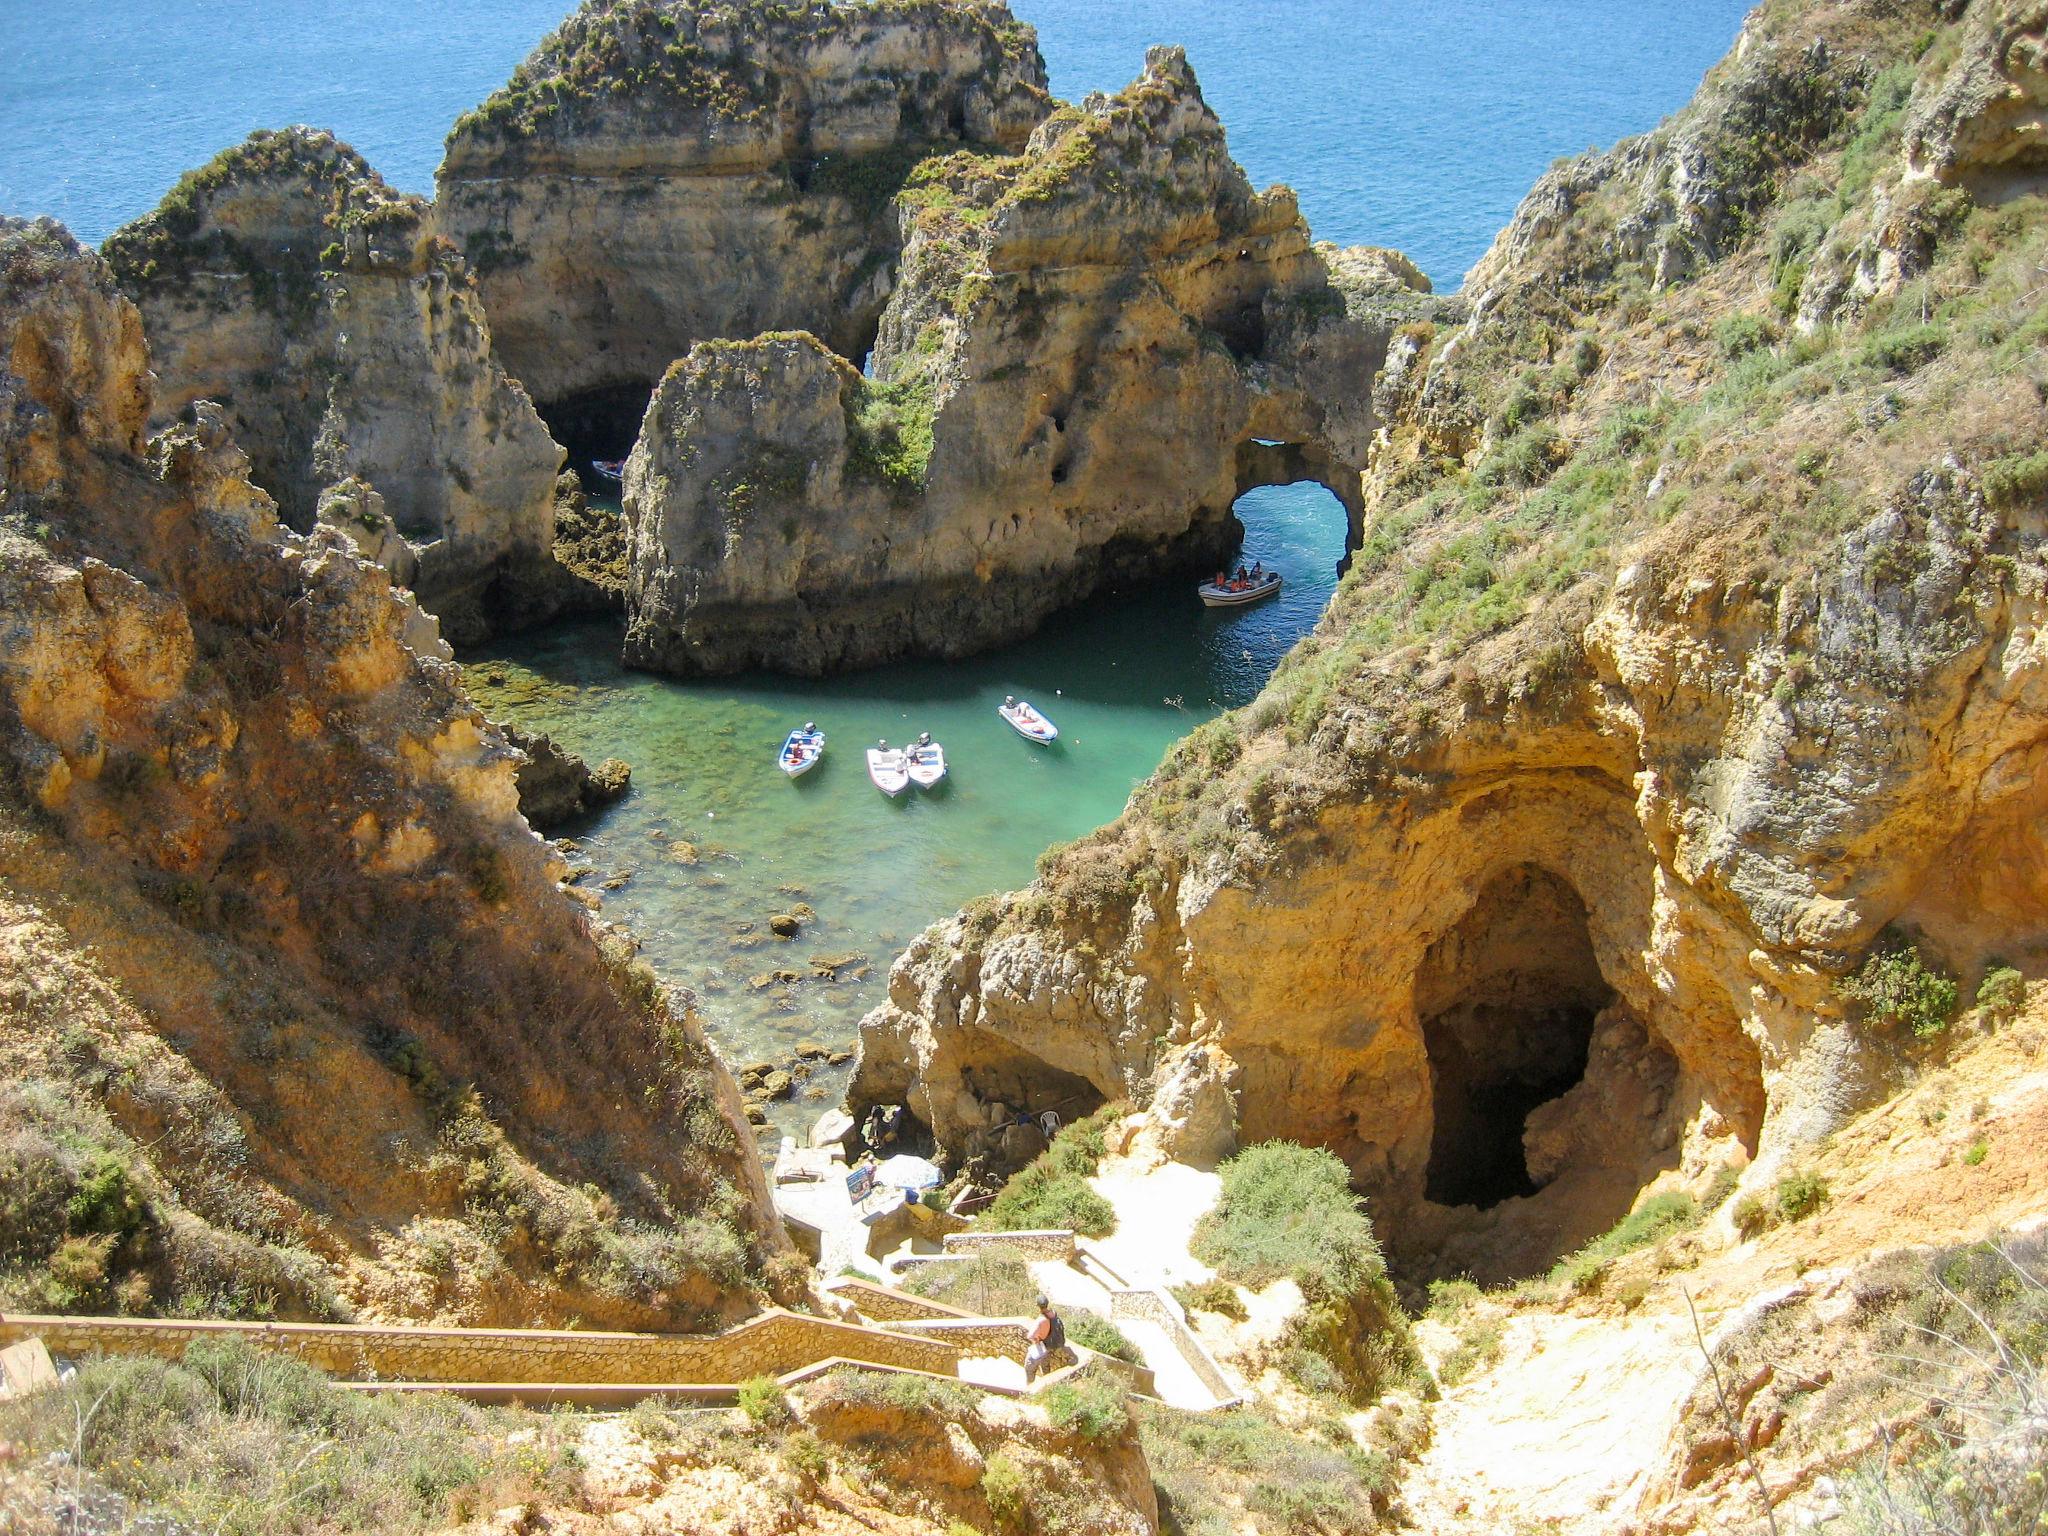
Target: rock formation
{"x": 1091, "y": 350}
{"x": 297, "y": 1018}
{"x": 658, "y": 174}
{"x": 348, "y": 348}
{"x": 555, "y": 785}
{"x": 1690, "y": 667}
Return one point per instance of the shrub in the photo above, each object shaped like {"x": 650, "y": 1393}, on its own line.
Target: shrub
{"x": 1289, "y": 1210}
{"x": 2016, "y": 478}
{"x": 1098, "y": 1333}
{"x": 1737, "y": 334}
{"x": 992, "y": 1286}
{"x": 1799, "y": 1195}
{"x": 1897, "y": 988}
{"x": 1477, "y": 1348}
{"x": 761, "y": 1400}
{"x": 1002, "y": 1484}
{"x": 2002, "y": 993}
{"x": 1751, "y": 1215}
{"x": 1655, "y": 1219}
{"x": 1053, "y": 1191}
{"x": 1091, "y": 1404}
{"x": 806, "y": 1453}
{"x": 1218, "y": 1296}
{"x": 1979, "y": 1150}
{"x": 1906, "y": 350}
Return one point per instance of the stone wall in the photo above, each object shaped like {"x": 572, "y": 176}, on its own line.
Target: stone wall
{"x": 884, "y": 1304}
{"x": 1028, "y": 1247}
{"x": 770, "y": 1344}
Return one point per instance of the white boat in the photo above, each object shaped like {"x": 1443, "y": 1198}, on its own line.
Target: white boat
{"x": 1230, "y": 594}
{"x": 802, "y": 750}
{"x": 925, "y": 761}
{"x": 888, "y": 768}
{"x": 612, "y": 469}
{"x": 1027, "y": 722}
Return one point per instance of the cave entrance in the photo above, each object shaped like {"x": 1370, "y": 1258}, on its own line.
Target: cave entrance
{"x": 1273, "y": 473}
{"x": 1508, "y": 1000}
{"x": 597, "y": 424}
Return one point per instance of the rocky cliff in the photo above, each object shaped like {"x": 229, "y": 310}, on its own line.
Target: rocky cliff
{"x": 1663, "y": 774}
{"x": 658, "y": 174}
{"x": 1091, "y": 349}
{"x": 349, "y": 349}
{"x": 296, "y": 1018}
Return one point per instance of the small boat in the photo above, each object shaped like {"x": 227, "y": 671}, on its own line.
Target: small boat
{"x": 1027, "y": 722}
{"x": 889, "y": 769}
{"x": 926, "y": 761}
{"x": 611, "y": 469}
{"x": 1235, "y": 594}
{"x": 802, "y": 750}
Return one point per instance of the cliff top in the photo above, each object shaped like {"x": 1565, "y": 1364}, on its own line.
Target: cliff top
{"x": 640, "y": 61}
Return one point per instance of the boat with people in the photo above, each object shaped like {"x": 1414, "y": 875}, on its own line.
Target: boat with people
{"x": 802, "y": 750}
{"x": 1224, "y": 590}
{"x": 1028, "y": 721}
{"x": 889, "y": 768}
{"x": 611, "y": 469}
{"x": 925, "y": 762}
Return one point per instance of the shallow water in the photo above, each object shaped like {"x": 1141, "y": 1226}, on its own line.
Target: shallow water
{"x": 1122, "y": 678}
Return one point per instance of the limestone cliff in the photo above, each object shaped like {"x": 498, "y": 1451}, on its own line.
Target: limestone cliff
{"x": 295, "y": 1016}
{"x": 1092, "y": 348}
{"x": 656, "y": 174}
{"x": 1672, "y": 741}
{"x": 347, "y": 344}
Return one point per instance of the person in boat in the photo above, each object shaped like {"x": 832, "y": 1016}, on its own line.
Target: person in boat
{"x": 1258, "y": 570}
{"x": 1046, "y": 1336}
{"x": 1218, "y": 581}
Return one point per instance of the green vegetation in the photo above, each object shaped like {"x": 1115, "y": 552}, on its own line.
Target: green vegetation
{"x": 1002, "y": 1485}
{"x": 1899, "y": 990}
{"x": 1799, "y": 1195}
{"x": 1216, "y": 1473}
{"x": 1090, "y": 1403}
{"x": 2001, "y": 994}
{"x": 1053, "y": 1191}
{"x": 1657, "y": 1218}
{"x": 1288, "y": 1211}
{"x": 1478, "y": 1347}
{"x": 228, "y": 1438}
{"x": 889, "y": 430}
{"x": 1102, "y": 1336}
{"x": 761, "y": 1400}
{"x": 1218, "y": 1296}
{"x": 993, "y": 1287}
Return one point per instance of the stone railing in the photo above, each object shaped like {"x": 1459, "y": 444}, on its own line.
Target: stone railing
{"x": 1024, "y": 1246}
{"x": 771, "y": 1344}
{"x": 1145, "y": 1304}
{"x": 885, "y": 1304}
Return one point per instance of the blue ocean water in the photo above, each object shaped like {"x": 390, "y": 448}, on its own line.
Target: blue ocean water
{"x": 1411, "y": 123}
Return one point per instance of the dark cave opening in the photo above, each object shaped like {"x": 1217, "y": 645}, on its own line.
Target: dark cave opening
{"x": 597, "y": 424}
{"x": 1508, "y": 1001}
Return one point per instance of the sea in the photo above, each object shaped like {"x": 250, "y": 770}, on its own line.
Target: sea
{"x": 1416, "y": 124}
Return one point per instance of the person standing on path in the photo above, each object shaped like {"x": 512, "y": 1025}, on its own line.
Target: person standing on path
{"x": 1046, "y": 1335}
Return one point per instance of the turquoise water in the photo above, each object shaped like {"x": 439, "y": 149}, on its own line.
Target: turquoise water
{"x": 1122, "y": 678}
{"x": 1412, "y": 123}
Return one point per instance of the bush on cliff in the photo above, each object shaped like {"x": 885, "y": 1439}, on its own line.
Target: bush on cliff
{"x": 1900, "y": 990}
{"x": 1287, "y": 1211}
{"x": 236, "y": 1441}
{"x": 1052, "y": 1192}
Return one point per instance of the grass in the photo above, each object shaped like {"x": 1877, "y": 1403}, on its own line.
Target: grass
{"x": 1221, "y": 1473}
{"x": 992, "y": 1287}
{"x": 235, "y": 1441}
{"x": 1218, "y": 1296}
{"x": 1052, "y": 1193}
{"x": 1657, "y": 1218}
